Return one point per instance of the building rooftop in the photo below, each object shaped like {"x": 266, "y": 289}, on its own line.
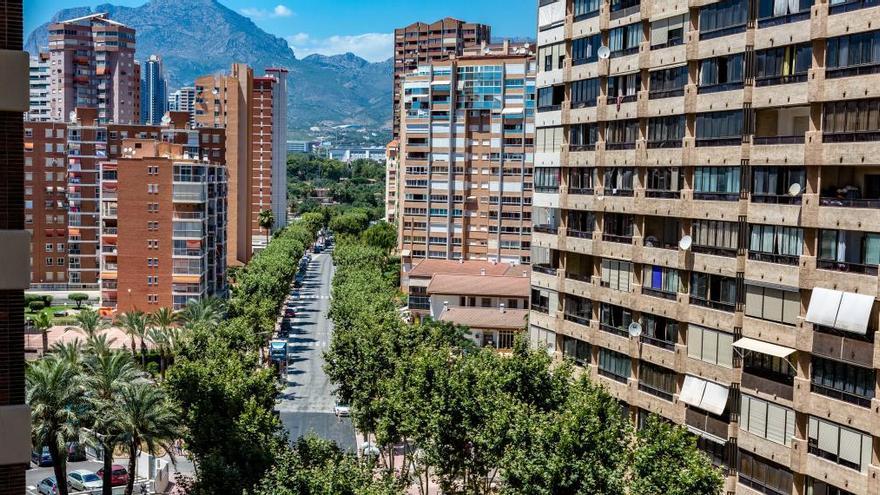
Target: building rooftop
{"x": 494, "y": 318}
{"x": 428, "y": 268}
{"x": 480, "y": 285}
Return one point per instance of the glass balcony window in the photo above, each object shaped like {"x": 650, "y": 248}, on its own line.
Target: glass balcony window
{"x": 545, "y": 219}
{"x": 575, "y": 349}
{"x": 853, "y": 187}
{"x": 551, "y": 98}
{"x": 540, "y": 301}
{"x": 852, "y": 121}
{"x": 578, "y": 309}
{"x": 614, "y": 319}
{"x": 783, "y": 64}
{"x": 852, "y": 55}
{"x": 623, "y": 8}
{"x": 776, "y": 244}
{"x": 614, "y": 365}
{"x": 621, "y": 134}
{"x": 660, "y": 281}
{"x": 662, "y": 232}
{"x": 659, "y": 332}
{"x": 840, "y": 6}
{"x": 717, "y": 183}
{"x": 581, "y": 224}
{"x": 583, "y": 137}
{"x": 773, "y": 184}
{"x": 666, "y": 132}
{"x": 619, "y": 181}
{"x": 842, "y": 381}
{"x": 618, "y": 227}
{"x": 668, "y": 83}
{"x": 721, "y": 74}
{"x": 656, "y": 380}
{"x": 723, "y": 18}
{"x": 586, "y": 50}
{"x": 585, "y": 9}
{"x": 713, "y": 291}
{"x": 547, "y": 179}
{"x": 625, "y": 40}
{"x": 584, "y": 93}
{"x": 849, "y": 251}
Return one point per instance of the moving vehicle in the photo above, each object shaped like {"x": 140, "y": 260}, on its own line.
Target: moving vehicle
{"x": 341, "y": 410}
{"x": 41, "y": 457}
{"x": 118, "y": 475}
{"x": 84, "y": 480}
{"x": 48, "y": 486}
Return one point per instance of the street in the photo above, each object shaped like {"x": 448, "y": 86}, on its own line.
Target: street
{"x": 307, "y": 401}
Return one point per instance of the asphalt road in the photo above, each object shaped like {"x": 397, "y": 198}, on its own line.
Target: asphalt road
{"x": 307, "y": 401}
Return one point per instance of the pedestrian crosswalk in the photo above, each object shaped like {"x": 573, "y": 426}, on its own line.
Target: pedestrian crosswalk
{"x": 313, "y": 343}
{"x": 311, "y": 296}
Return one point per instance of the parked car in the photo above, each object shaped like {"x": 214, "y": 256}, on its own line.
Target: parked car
{"x": 60, "y": 314}
{"x": 341, "y": 410}
{"x": 289, "y": 313}
{"x": 118, "y": 475}
{"x": 84, "y": 480}
{"x": 41, "y": 457}
{"x": 48, "y": 486}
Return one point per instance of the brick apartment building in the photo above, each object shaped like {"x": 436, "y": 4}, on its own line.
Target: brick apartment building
{"x": 14, "y": 413}
{"x": 715, "y": 178}
{"x": 421, "y": 43}
{"x": 466, "y": 155}
{"x": 91, "y": 64}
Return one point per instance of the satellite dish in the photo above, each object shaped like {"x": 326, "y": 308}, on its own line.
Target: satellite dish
{"x": 528, "y": 45}
{"x": 634, "y": 329}
{"x": 166, "y": 119}
{"x": 685, "y": 243}
{"x": 72, "y": 116}
{"x": 795, "y": 189}
{"x": 604, "y": 52}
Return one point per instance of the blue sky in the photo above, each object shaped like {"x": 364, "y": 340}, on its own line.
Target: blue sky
{"x": 330, "y": 27}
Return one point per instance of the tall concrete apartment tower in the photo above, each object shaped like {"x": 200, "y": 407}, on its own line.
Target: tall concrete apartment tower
{"x": 227, "y": 101}
{"x": 279, "y": 145}
{"x": 183, "y": 100}
{"x": 714, "y": 177}
{"x": 39, "y": 109}
{"x": 92, "y": 58}
{"x": 154, "y": 89}
{"x": 14, "y": 413}
{"x": 466, "y": 157}
{"x": 392, "y": 180}
{"x": 421, "y": 43}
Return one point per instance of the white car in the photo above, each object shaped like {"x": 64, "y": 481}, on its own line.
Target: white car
{"x": 341, "y": 410}
{"x": 83, "y": 480}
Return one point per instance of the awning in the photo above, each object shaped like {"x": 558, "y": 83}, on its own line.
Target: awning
{"x": 440, "y": 83}
{"x": 763, "y": 347}
{"x": 845, "y": 311}
{"x": 511, "y": 111}
{"x": 704, "y": 394}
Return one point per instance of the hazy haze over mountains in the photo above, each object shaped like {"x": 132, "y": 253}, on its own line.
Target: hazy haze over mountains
{"x": 198, "y": 37}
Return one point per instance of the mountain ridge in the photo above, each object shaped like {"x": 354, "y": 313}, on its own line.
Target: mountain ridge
{"x": 200, "y": 37}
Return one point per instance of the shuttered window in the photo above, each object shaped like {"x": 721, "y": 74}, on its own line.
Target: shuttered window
{"x": 777, "y": 305}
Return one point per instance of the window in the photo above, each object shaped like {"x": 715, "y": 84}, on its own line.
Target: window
{"x": 619, "y": 181}
{"x": 581, "y": 224}
{"x": 721, "y": 73}
{"x": 853, "y": 54}
{"x": 843, "y": 381}
{"x": 584, "y": 9}
{"x": 548, "y": 139}
{"x": 614, "y": 365}
{"x": 723, "y": 18}
{"x": 764, "y": 476}
{"x": 550, "y": 98}
{"x": 781, "y": 306}
{"x": 625, "y": 40}
{"x": 552, "y": 56}
{"x": 576, "y": 350}
{"x": 621, "y": 134}
{"x": 766, "y": 419}
{"x": 772, "y": 184}
{"x": 49, "y": 247}
{"x": 666, "y": 132}
{"x": 663, "y": 182}
{"x": 720, "y": 126}
{"x": 816, "y": 487}
{"x": 717, "y": 183}
{"x": 581, "y": 180}
{"x": 60, "y": 247}
{"x": 773, "y": 12}
{"x": 59, "y": 261}
{"x": 585, "y": 50}
{"x": 659, "y": 331}
{"x": 616, "y": 274}
{"x": 849, "y": 251}
{"x": 669, "y": 32}
{"x": 621, "y": 8}
{"x": 711, "y": 346}
{"x": 578, "y": 309}
{"x": 540, "y": 300}
{"x": 614, "y": 319}
{"x": 584, "y": 93}
{"x": 660, "y": 281}
{"x": 783, "y": 64}
{"x": 583, "y": 137}
{"x": 852, "y": 120}
{"x": 715, "y": 237}
{"x": 713, "y": 291}
{"x": 546, "y": 180}
{"x": 618, "y": 227}
{"x": 776, "y": 244}
{"x": 836, "y": 443}
{"x": 770, "y": 367}
{"x": 656, "y": 380}
{"x": 668, "y": 82}
{"x": 49, "y": 261}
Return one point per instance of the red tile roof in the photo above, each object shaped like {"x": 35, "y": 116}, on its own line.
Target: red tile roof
{"x": 479, "y": 285}
{"x": 491, "y": 318}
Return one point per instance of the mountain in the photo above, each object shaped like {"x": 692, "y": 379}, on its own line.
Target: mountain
{"x": 198, "y": 37}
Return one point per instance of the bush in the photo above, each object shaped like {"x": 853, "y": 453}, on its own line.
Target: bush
{"x": 36, "y": 305}
{"x": 78, "y": 298}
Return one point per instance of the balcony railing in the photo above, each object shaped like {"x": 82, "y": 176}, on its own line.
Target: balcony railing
{"x": 549, "y": 108}
{"x": 620, "y": 146}
{"x": 708, "y": 303}
{"x": 548, "y": 270}
{"x": 716, "y": 196}
{"x": 777, "y": 199}
{"x": 783, "y": 19}
{"x": 850, "y": 6}
{"x": 834, "y": 393}
{"x": 669, "y": 143}
{"x": 728, "y": 141}
{"x": 547, "y": 189}
{"x": 617, "y": 14}
{"x": 644, "y": 387}
{"x": 850, "y": 137}
{"x": 578, "y": 276}
{"x": 650, "y": 291}
{"x": 714, "y": 250}
{"x": 580, "y": 234}
{"x": 545, "y": 229}
{"x": 625, "y": 239}
{"x": 856, "y": 70}
{"x": 663, "y": 344}
{"x": 850, "y": 203}
{"x": 717, "y": 33}
{"x": 669, "y": 93}
{"x": 797, "y": 139}
{"x": 582, "y": 320}
{"x": 582, "y": 147}
{"x": 612, "y": 375}
{"x": 718, "y": 88}
{"x": 540, "y": 309}
{"x": 843, "y": 266}
{"x": 662, "y": 193}
{"x": 776, "y": 80}
{"x": 580, "y": 190}
{"x": 605, "y": 327}
{"x": 782, "y": 259}
{"x": 624, "y": 193}
{"x": 706, "y": 423}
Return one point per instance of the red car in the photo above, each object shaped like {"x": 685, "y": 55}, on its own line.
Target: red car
{"x": 118, "y": 475}
{"x": 289, "y": 313}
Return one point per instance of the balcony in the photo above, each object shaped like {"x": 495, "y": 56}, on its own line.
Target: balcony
{"x": 579, "y": 319}
{"x": 613, "y": 376}
{"x": 624, "y": 239}
{"x": 662, "y": 344}
{"x": 712, "y": 304}
{"x": 781, "y": 259}
{"x": 852, "y": 5}
{"x": 850, "y": 187}
{"x": 616, "y": 330}
{"x": 855, "y": 70}
{"x": 706, "y": 423}
{"x": 648, "y": 291}
{"x": 189, "y": 193}
{"x": 776, "y": 80}
{"x": 841, "y": 395}
{"x": 545, "y": 269}
{"x": 656, "y": 392}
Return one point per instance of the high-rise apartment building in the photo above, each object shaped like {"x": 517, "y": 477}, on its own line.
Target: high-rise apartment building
{"x": 226, "y": 101}
{"x": 712, "y": 177}
{"x": 92, "y": 65}
{"x": 183, "y": 100}
{"x": 154, "y": 89}
{"x": 466, "y": 157}
{"x": 392, "y": 176}
{"x": 15, "y": 434}
{"x": 163, "y": 222}
{"x": 421, "y": 43}
{"x": 39, "y": 109}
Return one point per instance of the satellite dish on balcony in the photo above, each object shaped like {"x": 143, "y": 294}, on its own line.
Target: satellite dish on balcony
{"x": 527, "y": 46}
{"x": 604, "y": 52}
{"x": 634, "y": 329}
{"x": 685, "y": 243}
{"x": 166, "y": 119}
{"x": 794, "y": 190}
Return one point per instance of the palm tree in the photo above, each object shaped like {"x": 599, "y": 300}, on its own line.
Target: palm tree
{"x": 266, "y": 219}
{"x": 147, "y": 420}
{"x": 99, "y": 344}
{"x": 69, "y": 351}
{"x": 89, "y": 323}
{"x": 43, "y": 322}
{"x": 104, "y": 377}
{"x": 54, "y": 395}
{"x": 160, "y": 338}
{"x": 134, "y": 323}
{"x": 208, "y": 311}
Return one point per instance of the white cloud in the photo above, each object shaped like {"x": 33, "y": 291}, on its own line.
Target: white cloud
{"x": 255, "y": 13}
{"x": 374, "y": 47}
